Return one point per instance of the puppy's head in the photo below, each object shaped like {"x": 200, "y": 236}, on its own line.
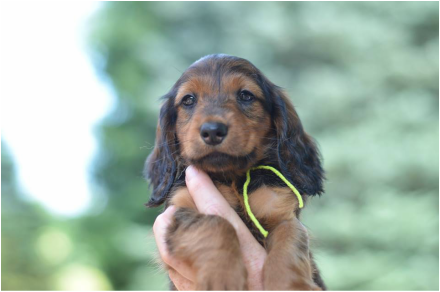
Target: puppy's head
{"x": 224, "y": 116}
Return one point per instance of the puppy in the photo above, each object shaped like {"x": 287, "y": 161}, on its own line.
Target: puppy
{"x": 224, "y": 117}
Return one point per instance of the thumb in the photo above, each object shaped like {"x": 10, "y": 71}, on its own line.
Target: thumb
{"x": 205, "y": 194}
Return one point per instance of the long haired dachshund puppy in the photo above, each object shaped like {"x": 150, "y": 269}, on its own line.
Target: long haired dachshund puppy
{"x": 225, "y": 117}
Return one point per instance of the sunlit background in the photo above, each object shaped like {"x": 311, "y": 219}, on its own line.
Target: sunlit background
{"x": 80, "y": 88}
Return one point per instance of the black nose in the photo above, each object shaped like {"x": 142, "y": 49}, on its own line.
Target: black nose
{"x": 213, "y": 133}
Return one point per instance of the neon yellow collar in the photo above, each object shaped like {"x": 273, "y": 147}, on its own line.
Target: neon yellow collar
{"x": 246, "y": 198}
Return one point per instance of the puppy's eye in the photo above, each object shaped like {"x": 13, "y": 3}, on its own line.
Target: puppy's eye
{"x": 188, "y": 100}
{"x": 246, "y": 96}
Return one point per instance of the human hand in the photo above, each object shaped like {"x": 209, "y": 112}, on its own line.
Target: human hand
{"x": 199, "y": 184}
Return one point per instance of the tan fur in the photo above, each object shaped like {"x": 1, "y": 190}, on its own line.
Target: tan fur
{"x": 231, "y": 195}
{"x": 288, "y": 265}
{"x": 273, "y": 205}
{"x": 182, "y": 199}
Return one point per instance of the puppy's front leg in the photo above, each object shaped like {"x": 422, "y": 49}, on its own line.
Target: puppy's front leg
{"x": 288, "y": 264}
{"x": 210, "y": 245}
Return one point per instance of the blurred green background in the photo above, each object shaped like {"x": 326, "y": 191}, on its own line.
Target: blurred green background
{"x": 364, "y": 79}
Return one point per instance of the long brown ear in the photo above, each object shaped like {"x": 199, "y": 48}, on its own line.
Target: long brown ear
{"x": 297, "y": 153}
{"x": 161, "y": 166}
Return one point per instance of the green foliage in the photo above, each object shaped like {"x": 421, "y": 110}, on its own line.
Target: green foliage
{"x": 42, "y": 252}
{"x": 363, "y": 77}
{"x": 20, "y": 261}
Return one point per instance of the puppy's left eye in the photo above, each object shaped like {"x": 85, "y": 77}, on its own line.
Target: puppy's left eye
{"x": 188, "y": 100}
{"x": 246, "y": 96}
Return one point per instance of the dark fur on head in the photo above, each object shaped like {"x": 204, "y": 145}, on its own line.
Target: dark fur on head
{"x": 291, "y": 150}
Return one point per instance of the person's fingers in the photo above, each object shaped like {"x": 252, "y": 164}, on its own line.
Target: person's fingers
{"x": 210, "y": 201}
{"x": 160, "y": 228}
{"x": 204, "y": 193}
{"x": 181, "y": 283}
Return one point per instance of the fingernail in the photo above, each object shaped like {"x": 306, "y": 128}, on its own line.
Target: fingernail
{"x": 191, "y": 172}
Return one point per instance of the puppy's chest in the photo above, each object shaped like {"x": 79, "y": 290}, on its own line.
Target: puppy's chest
{"x": 270, "y": 205}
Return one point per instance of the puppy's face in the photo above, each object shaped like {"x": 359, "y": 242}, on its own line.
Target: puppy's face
{"x": 224, "y": 116}
{"x": 222, "y": 124}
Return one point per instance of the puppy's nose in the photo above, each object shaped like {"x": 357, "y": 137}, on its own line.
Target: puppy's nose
{"x": 213, "y": 133}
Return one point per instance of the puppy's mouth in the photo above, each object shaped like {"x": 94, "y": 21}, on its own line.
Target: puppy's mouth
{"x": 219, "y": 161}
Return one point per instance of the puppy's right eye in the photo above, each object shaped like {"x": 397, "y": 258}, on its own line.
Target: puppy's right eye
{"x": 188, "y": 100}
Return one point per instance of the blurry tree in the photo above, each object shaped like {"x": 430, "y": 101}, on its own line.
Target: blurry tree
{"x": 364, "y": 79}
{"x": 21, "y": 265}
{"x": 40, "y": 251}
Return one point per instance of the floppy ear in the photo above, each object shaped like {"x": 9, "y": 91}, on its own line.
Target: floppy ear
{"x": 161, "y": 166}
{"x": 297, "y": 153}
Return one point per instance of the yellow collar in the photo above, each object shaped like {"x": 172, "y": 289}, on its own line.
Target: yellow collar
{"x": 246, "y": 198}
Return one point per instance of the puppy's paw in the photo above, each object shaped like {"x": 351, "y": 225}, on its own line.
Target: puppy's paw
{"x": 279, "y": 276}
{"x": 222, "y": 277}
